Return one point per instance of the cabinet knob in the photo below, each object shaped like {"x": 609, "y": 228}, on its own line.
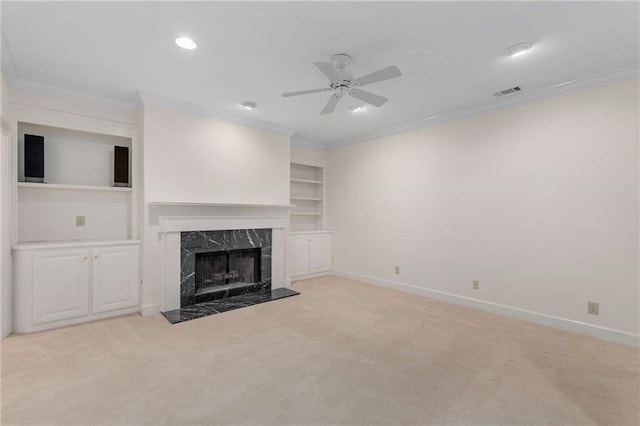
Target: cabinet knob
{"x": 85, "y": 257}
{"x": 95, "y": 257}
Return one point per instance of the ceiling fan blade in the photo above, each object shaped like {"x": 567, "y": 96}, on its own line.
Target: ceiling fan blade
{"x": 369, "y": 98}
{"x": 328, "y": 69}
{"x": 380, "y": 75}
{"x": 331, "y": 105}
{"x": 305, "y": 92}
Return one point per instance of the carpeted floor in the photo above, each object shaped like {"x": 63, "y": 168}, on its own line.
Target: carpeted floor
{"x": 340, "y": 353}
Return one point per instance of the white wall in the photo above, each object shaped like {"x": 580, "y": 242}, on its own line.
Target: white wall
{"x": 193, "y": 158}
{"x": 50, "y": 215}
{"x": 539, "y": 203}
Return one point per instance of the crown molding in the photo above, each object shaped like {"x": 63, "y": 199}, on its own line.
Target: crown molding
{"x": 522, "y": 98}
{"x": 46, "y": 89}
{"x": 307, "y": 143}
{"x": 9, "y": 69}
{"x": 161, "y": 101}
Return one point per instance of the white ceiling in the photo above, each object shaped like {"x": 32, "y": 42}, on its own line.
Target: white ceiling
{"x": 451, "y": 54}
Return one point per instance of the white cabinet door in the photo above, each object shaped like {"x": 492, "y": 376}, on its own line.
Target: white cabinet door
{"x": 319, "y": 253}
{"x": 60, "y": 284}
{"x": 115, "y": 278}
{"x": 298, "y": 255}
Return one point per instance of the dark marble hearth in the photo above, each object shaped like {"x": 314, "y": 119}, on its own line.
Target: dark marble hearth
{"x": 223, "y": 305}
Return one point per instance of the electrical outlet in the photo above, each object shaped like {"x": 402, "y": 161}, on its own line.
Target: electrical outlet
{"x": 79, "y": 220}
{"x": 476, "y": 285}
{"x": 593, "y": 308}
{"x": 397, "y": 269}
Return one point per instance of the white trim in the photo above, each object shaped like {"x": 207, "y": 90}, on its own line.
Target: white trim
{"x": 81, "y": 320}
{"x": 298, "y": 142}
{"x": 58, "y": 186}
{"x": 173, "y": 104}
{"x": 23, "y": 113}
{"x": 9, "y": 69}
{"x": 565, "y": 324}
{"x": 73, "y": 244}
{"x": 150, "y": 309}
{"x": 158, "y": 204}
{"x": 47, "y": 89}
{"x": 525, "y": 97}
{"x": 6, "y": 287}
{"x": 321, "y": 231}
{"x": 310, "y": 276}
{"x": 219, "y": 223}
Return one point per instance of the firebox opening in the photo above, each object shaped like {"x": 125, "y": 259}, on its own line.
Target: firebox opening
{"x": 227, "y": 273}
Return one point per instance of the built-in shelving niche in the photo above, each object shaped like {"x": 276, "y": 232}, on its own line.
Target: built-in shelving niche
{"x": 307, "y": 194}
{"x": 78, "y": 182}
{"x": 73, "y": 157}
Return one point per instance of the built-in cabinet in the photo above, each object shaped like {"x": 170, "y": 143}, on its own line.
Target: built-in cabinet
{"x": 309, "y": 242}
{"x": 59, "y": 284}
{"x": 114, "y": 278}
{"x": 309, "y": 254}
{"x": 75, "y": 249}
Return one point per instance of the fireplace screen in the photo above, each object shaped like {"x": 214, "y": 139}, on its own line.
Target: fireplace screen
{"x": 226, "y": 269}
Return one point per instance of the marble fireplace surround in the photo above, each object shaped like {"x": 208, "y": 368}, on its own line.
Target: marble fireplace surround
{"x": 174, "y": 218}
{"x": 194, "y": 242}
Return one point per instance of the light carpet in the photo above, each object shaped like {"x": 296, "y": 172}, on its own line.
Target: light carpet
{"x": 341, "y": 353}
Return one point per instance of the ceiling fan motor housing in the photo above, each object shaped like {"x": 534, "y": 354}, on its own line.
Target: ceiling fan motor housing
{"x": 342, "y": 87}
{"x": 341, "y": 60}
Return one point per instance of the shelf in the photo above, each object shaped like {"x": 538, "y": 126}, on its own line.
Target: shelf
{"x": 306, "y": 198}
{"x": 37, "y": 245}
{"x": 306, "y": 213}
{"x": 71, "y": 187}
{"x": 317, "y": 182}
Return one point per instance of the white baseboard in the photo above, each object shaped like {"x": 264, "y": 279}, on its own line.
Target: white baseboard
{"x": 150, "y": 309}
{"x": 611, "y": 335}
{"x": 76, "y": 321}
{"x": 308, "y": 277}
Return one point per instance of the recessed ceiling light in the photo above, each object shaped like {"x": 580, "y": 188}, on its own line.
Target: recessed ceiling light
{"x": 249, "y": 105}
{"x": 356, "y": 108}
{"x": 186, "y": 43}
{"x": 518, "y": 50}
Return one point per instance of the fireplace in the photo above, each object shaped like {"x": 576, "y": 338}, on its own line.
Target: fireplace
{"x": 220, "y": 264}
{"x": 221, "y": 274}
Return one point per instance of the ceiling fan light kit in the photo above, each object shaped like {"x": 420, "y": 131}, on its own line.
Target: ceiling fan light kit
{"x": 342, "y": 82}
{"x": 518, "y": 49}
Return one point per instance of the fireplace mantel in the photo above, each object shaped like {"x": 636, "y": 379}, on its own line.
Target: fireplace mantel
{"x": 160, "y": 204}
{"x": 187, "y": 216}
{"x": 172, "y": 218}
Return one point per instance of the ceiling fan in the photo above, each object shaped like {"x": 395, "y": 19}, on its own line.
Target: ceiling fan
{"x": 342, "y": 82}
